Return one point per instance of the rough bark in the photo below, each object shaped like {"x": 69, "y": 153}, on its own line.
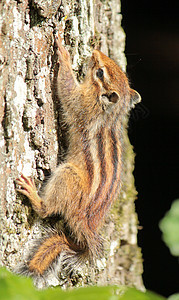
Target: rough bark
{"x": 31, "y": 138}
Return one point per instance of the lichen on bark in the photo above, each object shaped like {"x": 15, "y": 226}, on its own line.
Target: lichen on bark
{"x": 31, "y": 138}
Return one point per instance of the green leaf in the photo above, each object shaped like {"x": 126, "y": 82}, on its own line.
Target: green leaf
{"x": 133, "y": 294}
{"x": 169, "y": 226}
{"x": 101, "y": 293}
{"x": 13, "y": 287}
{"x": 16, "y": 287}
{"x": 87, "y": 293}
{"x": 174, "y": 297}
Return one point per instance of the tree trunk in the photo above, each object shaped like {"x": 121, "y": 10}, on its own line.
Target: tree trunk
{"x": 32, "y": 140}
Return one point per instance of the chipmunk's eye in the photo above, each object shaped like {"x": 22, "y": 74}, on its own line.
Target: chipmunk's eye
{"x": 99, "y": 73}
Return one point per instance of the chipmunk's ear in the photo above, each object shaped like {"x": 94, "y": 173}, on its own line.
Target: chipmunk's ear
{"x": 135, "y": 98}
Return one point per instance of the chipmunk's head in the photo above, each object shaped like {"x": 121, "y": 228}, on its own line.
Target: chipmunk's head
{"x": 112, "y": 87}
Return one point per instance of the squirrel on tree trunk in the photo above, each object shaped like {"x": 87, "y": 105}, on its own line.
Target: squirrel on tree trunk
{"x": 83, "y": 187}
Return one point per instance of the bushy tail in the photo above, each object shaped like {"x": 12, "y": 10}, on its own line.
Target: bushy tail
{"x": 58, "y": 246}
{"x": 49, "y": 250}
{"x": 46, "y": 253}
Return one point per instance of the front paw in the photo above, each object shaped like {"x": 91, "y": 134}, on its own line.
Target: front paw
{"x": 62, "y": 52}
{"x": 28, "y": 187}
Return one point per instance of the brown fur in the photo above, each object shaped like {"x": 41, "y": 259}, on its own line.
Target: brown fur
{"x": 84, "y": 186}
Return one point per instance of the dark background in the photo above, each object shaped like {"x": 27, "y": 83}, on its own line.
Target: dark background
{"x": 152, "y": 51}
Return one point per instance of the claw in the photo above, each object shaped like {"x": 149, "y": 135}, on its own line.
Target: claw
{"x": 27, "y": 185}
{"x": 28, "y": 188}
{"x": 23, "y": 191}
{"x": 58, "y": 41}
{"x": 62, "y": 52}
{"x": 25, "y": 178}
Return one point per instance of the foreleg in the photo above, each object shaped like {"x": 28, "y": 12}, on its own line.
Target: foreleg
{"x": 28, "y": 189}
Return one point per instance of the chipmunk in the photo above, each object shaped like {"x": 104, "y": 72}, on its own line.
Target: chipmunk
{"x": 84, "y": 186}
